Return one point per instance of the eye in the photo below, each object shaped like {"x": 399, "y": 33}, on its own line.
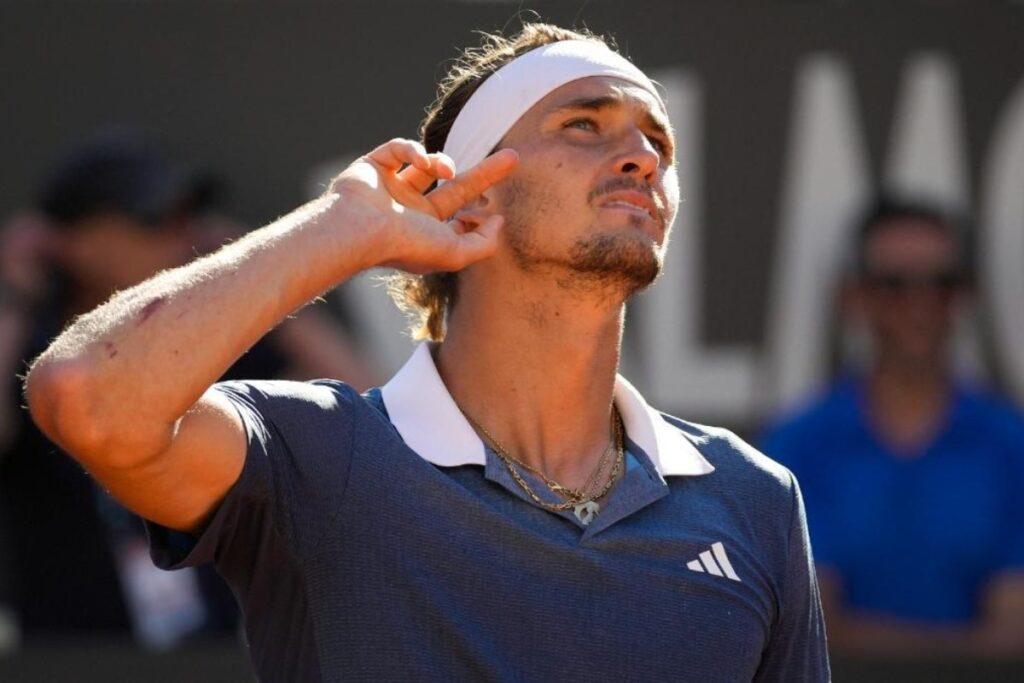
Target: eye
{"x": 660, "y": 145}
{"x": 581, "y": 124}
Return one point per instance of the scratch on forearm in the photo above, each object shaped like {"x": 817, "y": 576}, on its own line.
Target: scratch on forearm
{"x": 149, "y": 309}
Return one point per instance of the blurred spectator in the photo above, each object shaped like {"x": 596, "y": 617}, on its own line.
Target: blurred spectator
{"x": 113, "y": 213}
{"x": 913, "y": 479}
{"x": 22, "y": 240}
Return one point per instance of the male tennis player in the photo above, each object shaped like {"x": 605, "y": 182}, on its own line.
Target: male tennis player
{"x": 506, "y": 507}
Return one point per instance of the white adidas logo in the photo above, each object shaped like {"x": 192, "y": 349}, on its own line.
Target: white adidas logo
{"x": 707, "y": 563}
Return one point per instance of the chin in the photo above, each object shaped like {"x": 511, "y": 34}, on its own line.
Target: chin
{"x": 625, "y": 262}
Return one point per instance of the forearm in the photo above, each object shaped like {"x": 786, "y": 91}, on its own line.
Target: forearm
{"x": 117, "y": 380}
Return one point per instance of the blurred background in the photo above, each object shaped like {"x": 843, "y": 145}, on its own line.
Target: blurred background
{"x": 136, "y": 134}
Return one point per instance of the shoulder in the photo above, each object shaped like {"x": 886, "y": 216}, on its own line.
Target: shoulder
{"x": 982, "y": 404}
{"x": 317, "y": 413}
{"x": 322, "y": 393}
{"x": 740, "y": 468}
{"x": 990, "y": 420}
{"x": 301, "y": 412}
{"x": 290, "y": 400}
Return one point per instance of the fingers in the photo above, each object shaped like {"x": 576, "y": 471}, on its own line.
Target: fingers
{"x": 441, "y": 167}
{"x": 396, "y": 153}
{"x": 469, "y": 185}
{"x": 421, "y": 169}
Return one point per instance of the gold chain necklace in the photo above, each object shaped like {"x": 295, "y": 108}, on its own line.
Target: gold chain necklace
{"x": 577, "y": 495}
{"x": 584, "y": 507}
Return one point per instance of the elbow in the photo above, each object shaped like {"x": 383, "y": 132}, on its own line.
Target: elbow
{"x": 66, "y": 400}
{"x": 62, "y": 404}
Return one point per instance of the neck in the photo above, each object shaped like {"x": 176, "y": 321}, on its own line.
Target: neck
{"x": 918, "y": 379}
{"x": 908, "y": 402}
{"x": 537, "y": 370}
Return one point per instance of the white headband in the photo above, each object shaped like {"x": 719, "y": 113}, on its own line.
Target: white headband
{"x": 510, "y": 91}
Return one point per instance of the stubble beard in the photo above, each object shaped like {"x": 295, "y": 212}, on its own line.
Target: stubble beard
{"x": 619, "y": 263}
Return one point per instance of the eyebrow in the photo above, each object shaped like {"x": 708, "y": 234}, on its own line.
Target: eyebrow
{"x": 611, "y": 101}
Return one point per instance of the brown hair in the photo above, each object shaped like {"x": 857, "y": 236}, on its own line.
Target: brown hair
{"x": 428, "y": 298}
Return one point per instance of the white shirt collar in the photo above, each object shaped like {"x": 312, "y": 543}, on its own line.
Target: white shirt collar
{"x": 426, "y": 416}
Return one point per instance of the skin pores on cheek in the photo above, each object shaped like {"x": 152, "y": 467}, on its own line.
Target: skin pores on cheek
{"x": 530, "y": 207}
{"x": 546, "y": 230}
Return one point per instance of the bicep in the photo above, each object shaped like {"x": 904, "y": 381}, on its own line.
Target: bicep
{"x": 182, "y": 486}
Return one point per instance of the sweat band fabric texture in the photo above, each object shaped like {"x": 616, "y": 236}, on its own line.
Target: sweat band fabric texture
{"x": 509, "y": 92}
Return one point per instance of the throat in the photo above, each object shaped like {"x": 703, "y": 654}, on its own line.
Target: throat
{"x": 908, "y": 415}
{"x": 584, "y": 499}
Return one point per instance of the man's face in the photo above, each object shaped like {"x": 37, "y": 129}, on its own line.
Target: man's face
{"x": 595, "y": 191}
{"x": 909, "y": 291}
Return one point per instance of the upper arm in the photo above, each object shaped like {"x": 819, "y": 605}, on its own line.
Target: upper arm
{"x": 181, "y": 487}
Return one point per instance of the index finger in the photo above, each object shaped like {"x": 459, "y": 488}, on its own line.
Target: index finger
{"x": 465, "y": 187}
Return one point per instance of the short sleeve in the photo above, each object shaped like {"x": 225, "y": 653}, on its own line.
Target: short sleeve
{"x": 296, "y": 467}
{"x": 797, "y": 649}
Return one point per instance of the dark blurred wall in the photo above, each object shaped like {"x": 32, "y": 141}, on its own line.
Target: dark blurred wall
{"x": 788, "y": 113}
{"x": 103, "y": 661}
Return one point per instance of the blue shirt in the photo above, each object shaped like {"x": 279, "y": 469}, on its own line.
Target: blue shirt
{"x": 355, "y": 557}
{"x": 913, "y": 536}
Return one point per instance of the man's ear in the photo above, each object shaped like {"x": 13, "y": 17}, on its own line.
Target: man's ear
{"x": 474, "y": 214}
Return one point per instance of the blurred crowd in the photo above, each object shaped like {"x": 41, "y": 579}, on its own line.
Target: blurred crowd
{"x": 912, "y": 475}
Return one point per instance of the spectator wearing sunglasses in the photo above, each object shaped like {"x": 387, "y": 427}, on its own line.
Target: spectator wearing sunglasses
{"x": 913, "y": 478}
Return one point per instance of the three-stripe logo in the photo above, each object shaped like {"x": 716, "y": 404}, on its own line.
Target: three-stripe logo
{"x": 714, "y": 562}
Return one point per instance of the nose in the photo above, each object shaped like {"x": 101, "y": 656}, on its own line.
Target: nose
{"x": 640, "y": 157}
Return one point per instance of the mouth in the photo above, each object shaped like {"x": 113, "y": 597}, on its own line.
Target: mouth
{"x": 634, "y": 203}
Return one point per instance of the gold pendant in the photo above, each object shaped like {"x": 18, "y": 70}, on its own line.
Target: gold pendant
{"x": 585, "y": 512}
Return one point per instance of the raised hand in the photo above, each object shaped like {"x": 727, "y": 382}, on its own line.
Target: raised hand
{"x": 421, "y": 236}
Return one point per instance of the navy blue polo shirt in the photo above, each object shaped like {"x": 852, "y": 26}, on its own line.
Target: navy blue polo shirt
{"x": 915, "y": 535}
{"x": 365, "y": 541}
